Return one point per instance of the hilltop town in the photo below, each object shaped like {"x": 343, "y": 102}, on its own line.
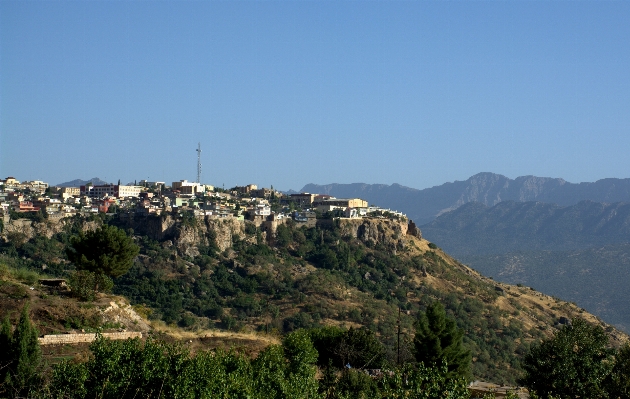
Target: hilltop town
{"x": 249, "y": 260}
{"x": 38, "y": 200}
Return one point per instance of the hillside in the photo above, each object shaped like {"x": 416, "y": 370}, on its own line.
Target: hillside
{"x": 594, "y": 278}
{"x": 206, "y": 273}
{"x": 475, "y": 229}
{"x": 489, "y": 189}
{"x": 578, "y": 252}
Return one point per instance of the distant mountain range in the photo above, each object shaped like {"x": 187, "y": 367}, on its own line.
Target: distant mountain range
{"x": 476, "y": 229}
{"x": 78, "y": 182}
{"x": 489, "y": 189}
{"x": 579, "y": 253}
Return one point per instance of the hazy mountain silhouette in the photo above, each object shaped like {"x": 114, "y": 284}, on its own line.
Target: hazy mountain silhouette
{"x": 487, "y": 188}
{"x": 78, "y": 182}
{"x": 475, "y": 229}
{"x": 580, "y": 252}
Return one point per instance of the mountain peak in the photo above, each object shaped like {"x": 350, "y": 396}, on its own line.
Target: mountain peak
{"x": 78, "y": 182}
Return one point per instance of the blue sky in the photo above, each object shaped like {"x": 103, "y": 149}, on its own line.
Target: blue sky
{"x": 287, "y": 93}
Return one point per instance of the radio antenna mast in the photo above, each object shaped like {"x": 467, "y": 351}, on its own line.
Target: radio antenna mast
{"x": 199, "y": 163}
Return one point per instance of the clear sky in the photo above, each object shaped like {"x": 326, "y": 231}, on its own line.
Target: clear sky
{"x": 286, "y": 93}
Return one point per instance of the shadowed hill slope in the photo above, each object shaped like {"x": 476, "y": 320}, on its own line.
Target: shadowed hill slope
{"x": 579, "y": 253}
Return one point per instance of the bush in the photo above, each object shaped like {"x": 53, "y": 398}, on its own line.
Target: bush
{"x": 297, "y": 321}
{"x": 84, "y": 284}
{"x": 574, "y": 363}
{"x": 29, "y": 277}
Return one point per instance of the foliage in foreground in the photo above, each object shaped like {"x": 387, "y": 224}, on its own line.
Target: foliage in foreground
{"x": 438, "y": 341}
{"x": 153, "y": 369}
{"x": 577, "y": 363}
{"x": 21, "y": 357}
{"x": 128, "y": 369}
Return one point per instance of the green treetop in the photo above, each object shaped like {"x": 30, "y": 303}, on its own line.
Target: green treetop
{"x": 107, "y": 250}
{"x": 21, "y": 357}
{"x": 575, "y": 363}
{"x": 438, "y": 341}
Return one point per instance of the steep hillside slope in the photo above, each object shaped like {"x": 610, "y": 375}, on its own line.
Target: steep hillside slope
{"x": 579, "y": 253}
{"x": 475, "y": 229}
{"x": 487, "y": 188}
{"x": 594, "y": 278}
{"x": 372, "y": 273}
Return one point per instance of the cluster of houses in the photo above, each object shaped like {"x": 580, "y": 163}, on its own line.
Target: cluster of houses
{"x": 156, "y": 198}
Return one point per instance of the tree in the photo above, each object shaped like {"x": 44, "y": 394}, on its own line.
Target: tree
{"x": 358, "y": 347}
{"x": 107, "y": 250}
{"x": 6, "y": 336}
{"x": 574, "y": 363}
{"x": 438, "y": 341}
{"x": 22, "y": 358}
{"x": 619, "y": 383}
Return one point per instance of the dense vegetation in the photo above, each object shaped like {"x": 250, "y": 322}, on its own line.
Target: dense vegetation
{"x": 576, "y": 362}
{"x": 131, "y": 369}
{"x": 309, "y": 277}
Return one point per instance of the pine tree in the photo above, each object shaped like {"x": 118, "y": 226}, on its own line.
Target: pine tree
{"x": 107, "y": 250}
{"x": 24, "y": 357}
{"x": 438, "y": 341}
{"x": 6, "y": 336}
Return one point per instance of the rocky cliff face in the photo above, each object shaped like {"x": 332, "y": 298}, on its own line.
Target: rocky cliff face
{"x": 187, "y": 235}
{"x": 20, "y": 231}
{"x": 390, "y": 233}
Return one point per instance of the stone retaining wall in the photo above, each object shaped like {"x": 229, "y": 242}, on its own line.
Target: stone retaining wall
{"x": 79, "y": 338}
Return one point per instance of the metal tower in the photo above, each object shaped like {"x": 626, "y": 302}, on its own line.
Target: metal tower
{"x": 199, "y": 163}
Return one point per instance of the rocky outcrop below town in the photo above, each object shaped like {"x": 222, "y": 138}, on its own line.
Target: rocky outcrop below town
{"x": 392, "y": 234}
{"x": 186, "y": 233}
{"x": 189, "y": 233}
{"x": 20, "y": 231}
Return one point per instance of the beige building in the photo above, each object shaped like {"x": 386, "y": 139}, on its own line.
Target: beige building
{"x": 246, "y": 189}
{"x": 67, "y": 192}
{"x": 10, "y": 181}
{"x": 186, "y": 187}
{"x": 342, "y": 203}
{"x": 303, "y": 199}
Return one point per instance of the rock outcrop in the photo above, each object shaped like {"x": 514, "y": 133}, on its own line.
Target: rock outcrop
{"x": 20, "y": 231}
{"x": 187, "y": 235}
{"x": 389, "y": 233}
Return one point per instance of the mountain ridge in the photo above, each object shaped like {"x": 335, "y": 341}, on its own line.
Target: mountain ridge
{"x": 580, "y": 252}
{"x": 78, "y": 182}
{"x": 488, "y": 188}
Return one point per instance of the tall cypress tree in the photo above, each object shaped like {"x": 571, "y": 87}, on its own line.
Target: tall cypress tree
{"x": 23, "y": 356}
{"x": 438, "y": 341}
{"x": 6, "y": 336}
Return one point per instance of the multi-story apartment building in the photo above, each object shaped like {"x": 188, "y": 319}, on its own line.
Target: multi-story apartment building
{"x": 186, "y": 187}
{"x": 303, "y": 200}
{"x": 110, "y": 190}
